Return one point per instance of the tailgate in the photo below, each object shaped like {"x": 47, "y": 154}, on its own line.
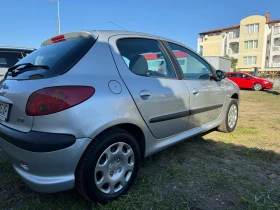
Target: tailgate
{"x": 13, "y": 98}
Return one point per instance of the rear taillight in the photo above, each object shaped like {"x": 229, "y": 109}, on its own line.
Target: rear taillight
{"x": 55, "y": 99}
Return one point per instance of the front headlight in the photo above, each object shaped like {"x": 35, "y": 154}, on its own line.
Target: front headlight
{"x": 266, "y": 82}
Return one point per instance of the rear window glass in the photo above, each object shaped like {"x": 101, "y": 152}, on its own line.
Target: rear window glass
{"x": 8, "y": 59}
{"x": 60, "y": 57}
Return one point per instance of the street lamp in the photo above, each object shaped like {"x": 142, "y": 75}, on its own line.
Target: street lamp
{"x": 58, "y": 15}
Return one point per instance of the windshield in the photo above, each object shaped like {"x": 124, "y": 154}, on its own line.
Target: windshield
{"x": 59, "y": 57}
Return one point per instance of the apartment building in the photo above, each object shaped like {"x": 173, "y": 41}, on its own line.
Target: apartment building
{"x": 255, "y": 42}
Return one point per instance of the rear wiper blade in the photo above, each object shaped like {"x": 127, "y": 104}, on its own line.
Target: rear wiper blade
{"x": 26, "y": 65}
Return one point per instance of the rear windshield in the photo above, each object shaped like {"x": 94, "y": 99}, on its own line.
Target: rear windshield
{"x": 59, "y": 57}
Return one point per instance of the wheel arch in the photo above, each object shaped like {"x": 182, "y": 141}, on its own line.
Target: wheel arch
{"x": 131, "y": 128}
{"x": 235, "y": 96}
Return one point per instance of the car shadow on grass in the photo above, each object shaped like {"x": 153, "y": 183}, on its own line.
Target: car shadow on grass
{"x": 198, "y": 173}
{"x": 273, "y": 92}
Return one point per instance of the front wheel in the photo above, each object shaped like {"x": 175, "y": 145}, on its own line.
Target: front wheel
{"x": 231, "y": 117}
{"x": 257, "y": 87}
{"x": 109, "y": 166}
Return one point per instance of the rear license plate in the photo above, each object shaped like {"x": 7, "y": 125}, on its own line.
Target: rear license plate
{"x": 4, "y": 111}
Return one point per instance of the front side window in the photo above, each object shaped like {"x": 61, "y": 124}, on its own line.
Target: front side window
{"x": 244, "y": 76}
{"x": 193, "y": 66}
{"x": 146, "y": 57}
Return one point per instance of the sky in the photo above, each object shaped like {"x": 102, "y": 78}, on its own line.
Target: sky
{"x": 30, "y": 22}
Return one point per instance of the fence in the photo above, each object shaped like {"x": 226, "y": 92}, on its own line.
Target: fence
{"x": 275, "y": 80}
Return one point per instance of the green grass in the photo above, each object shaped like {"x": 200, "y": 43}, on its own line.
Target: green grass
{"x": 214, "y": 171}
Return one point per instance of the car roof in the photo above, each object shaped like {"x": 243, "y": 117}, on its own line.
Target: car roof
{"x": 120, "y": 32}
{"x": 15, "y": 48}
{"x": 110, "y": 33}
{"x": 236, "y": 73}
{"x": 106, "y": 34}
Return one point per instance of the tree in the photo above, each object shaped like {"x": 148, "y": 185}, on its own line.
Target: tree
{"x": 233, "y": 62}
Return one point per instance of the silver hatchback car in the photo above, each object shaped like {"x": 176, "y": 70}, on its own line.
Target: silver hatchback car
{"x": 86, "y": 107}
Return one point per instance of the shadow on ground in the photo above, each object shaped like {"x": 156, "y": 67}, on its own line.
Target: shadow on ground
{"x": 196, "y": 174}
{"x": 273, "y": 92}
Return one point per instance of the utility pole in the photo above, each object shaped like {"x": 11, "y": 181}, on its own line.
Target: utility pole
{"x": 58, "y": 15}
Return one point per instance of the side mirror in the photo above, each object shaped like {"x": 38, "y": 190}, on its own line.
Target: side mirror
{"x": 220, "y": 74}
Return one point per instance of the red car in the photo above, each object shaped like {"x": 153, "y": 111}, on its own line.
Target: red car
{"x": 244, "y": 80}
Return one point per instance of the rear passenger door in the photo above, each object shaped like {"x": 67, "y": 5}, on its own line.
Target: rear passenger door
{"x": 159, "y": 94}
{"x": 207, "y": 96}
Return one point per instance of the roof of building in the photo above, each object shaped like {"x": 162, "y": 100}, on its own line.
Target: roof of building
{"x": 230, "y": 27}
{"x": 219, "y": 30}
{"x": 274, "y": 21}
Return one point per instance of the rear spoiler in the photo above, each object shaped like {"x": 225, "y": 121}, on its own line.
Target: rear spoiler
{"x": 69, "y": 36}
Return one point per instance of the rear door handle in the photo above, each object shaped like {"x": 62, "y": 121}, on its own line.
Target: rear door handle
{"x": 145, "y": 95}
{"x": 195, "y": 91}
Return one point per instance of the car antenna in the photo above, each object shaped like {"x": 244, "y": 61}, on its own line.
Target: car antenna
{"x": 117, "y": 25}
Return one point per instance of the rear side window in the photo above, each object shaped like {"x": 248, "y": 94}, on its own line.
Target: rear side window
{"x": 146, "y": 57}
{"x": 8, "y": 59}
{"x": 60, "y": 57}
{"x": 239, "y": 75}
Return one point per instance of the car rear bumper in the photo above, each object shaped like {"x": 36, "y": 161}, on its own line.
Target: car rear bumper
{"x": 46, "y": 172}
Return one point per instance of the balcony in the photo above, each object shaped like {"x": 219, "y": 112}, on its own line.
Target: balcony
{"x": 233, "y": 40}
{"x": 233, "y": 36}
{"x": 276, "y": 48}
{"x": 231, "y": 51}
{"x": 275, "y": 64}
{"x": 276, "y": 31}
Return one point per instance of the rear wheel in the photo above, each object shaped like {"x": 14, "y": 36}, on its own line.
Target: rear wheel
{"x": 231, "y": 117}
{"x": 257, "y": 87}
{"x": 109, "y": 166}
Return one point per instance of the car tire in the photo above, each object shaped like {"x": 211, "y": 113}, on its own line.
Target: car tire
{"x": 108, "y": 167}
{"x": 257, "y": 87}
{"x": 231, "y": 117}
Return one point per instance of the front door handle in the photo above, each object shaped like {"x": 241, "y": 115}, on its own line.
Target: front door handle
{"x": 195, "y": 91}
{"x": 145, "y": 95}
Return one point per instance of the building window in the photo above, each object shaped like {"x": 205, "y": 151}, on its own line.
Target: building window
{"x": 251, "y": 44}
{"x": 201, "y": 50}
{"x": 249, "y": 60}
{"x": 252, "y": 28}
{"x": 234, "y": 34}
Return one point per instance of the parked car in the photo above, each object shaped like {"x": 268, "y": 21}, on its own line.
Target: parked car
{"x": 247, "y": 81}
{"x": 86, "y": 107}
{"x": 10, "y": 55}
